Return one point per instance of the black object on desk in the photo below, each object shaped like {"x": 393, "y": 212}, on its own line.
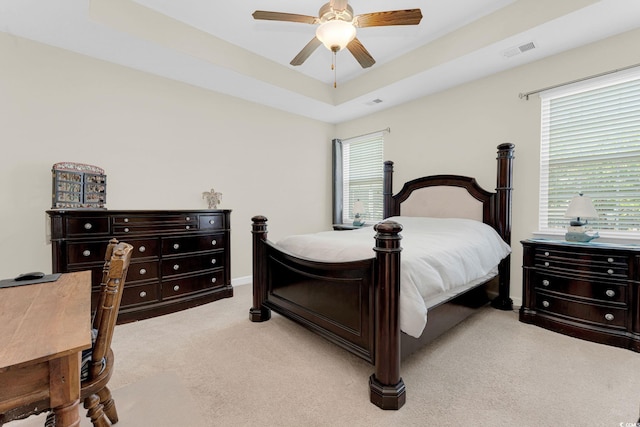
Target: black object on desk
{"x": 29, "y": 279}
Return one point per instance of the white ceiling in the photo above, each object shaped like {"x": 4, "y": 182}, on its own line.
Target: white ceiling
{"x": 219, "y": 46}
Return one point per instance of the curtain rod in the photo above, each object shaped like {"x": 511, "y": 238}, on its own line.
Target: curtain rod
{"x": 526, "y": 95}
{"x": 371, "y": 133}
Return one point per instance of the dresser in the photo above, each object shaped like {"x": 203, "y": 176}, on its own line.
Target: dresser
{"x": 586, "y": 290}
{"x": 181, "y": 258}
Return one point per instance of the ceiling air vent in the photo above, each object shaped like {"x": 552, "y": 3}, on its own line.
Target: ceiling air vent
{"x": 513, "y": 51}
{"x": 375, "y": 101}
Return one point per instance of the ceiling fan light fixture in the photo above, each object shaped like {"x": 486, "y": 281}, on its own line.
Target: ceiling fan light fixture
{"x": 336, "y": 34}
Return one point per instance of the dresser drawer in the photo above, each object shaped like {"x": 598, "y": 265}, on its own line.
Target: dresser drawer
{"x": 187, "y": 285}
{"x": 589, "y": 312}
{"x": 146, "y": 270}
{"x": 144, "y": 248}
{"x": 87, "y": 226}
{"x": 191, "y": 264}
{"x": 594, "y": 290}
{"x": 139, "y": 294}
{"x": 184, "y": 245}
{"x": 211, "y": 222}
{"x": 86, "y": 252}
{"x": 158, "y": 224}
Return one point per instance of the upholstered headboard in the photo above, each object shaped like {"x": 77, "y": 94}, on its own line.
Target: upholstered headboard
{"x": 442, "y": 202}
{"x": 455, "y": 196}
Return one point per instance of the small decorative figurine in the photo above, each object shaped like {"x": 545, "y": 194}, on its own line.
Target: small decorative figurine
{"x": 213, "y": 198}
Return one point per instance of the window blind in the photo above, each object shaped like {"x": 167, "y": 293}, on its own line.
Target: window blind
{"x": 591, "y": 144}
{"x": 362, "y": 173}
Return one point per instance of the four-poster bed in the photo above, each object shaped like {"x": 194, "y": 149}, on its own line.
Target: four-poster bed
{"x": 356, "y": 304}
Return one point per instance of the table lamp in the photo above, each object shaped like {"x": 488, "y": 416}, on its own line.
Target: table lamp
{"x": 580, "y": 208}
{"x": 358, "y": 210}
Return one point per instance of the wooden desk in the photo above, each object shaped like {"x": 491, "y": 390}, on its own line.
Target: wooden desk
{"x": 43, "y": 329}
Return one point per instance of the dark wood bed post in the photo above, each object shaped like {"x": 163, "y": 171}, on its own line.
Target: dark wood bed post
{"x": 504, "y": 189}
{"x": 386, "y": 388}
{"x": 259, "y": 313}
{"x": 387, "y": 190}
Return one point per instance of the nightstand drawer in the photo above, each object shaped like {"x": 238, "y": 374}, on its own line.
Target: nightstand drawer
{"x": 604, "y": 265}
{"x": 594, "y": 313}
{"x": 593, "y": 290}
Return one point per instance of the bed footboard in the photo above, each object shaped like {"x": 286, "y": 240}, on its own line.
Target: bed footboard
{"x": 353, "y": 304}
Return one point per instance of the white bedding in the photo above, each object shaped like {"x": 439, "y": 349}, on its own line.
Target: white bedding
{"x": 440, "y": 257}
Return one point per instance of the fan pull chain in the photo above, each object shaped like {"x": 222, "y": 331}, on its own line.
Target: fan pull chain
{"x": 333, "y": 67}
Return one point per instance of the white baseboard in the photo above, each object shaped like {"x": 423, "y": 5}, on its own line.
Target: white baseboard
{"x": 239, "y": 281}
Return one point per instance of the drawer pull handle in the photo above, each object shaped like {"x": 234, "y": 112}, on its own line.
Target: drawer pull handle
{"x": 213, "y": 280}
{"x": 610, "y": 271}
{"x": 176, "y": 267}
{"x": 214, "y": 242}
{"x": 126, "y": 220}
{"x": 86, "y": 252}
{"x": 610, "y": 293}
{"x": 188, "y": 227}
{"x": 545, "y": 304}
{"x": 213, "y": 261}
{"x": 143, "y": 294}
{"x": 88, "y": 226}
{"x": 188, "y": 218}
{"x": 545, "y": 282}
{"x": 176, "y": 246}
{"x": 176, "y": 288}
{"x": 546, "y": 254}
{"x": 126, "y": 229}
{"x": 609, "y": 317}
{"x": 610, "y": 259}
{"x": 211, "y": 221}
{"x": 142, "y": 249}
{"x": 546, "y": 264}
{"x": 143, "y": 271}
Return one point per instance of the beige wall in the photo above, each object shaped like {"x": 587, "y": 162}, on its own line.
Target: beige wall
{"x": 457, "y": 131}
{"x": 162, "y": 144}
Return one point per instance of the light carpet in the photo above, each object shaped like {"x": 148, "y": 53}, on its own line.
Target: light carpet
{"x": 211, "y": 366}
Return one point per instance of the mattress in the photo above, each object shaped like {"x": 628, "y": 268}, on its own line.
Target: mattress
{"x": 440, "y": 258}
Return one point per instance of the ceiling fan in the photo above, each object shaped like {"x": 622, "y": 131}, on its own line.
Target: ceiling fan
{"x": 337, "y": 28}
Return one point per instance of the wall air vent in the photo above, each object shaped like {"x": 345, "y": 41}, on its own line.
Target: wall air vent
{"x": 513, "y": 51}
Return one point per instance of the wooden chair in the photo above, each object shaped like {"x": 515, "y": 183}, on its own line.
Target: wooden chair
{"x": 97, "y": 362}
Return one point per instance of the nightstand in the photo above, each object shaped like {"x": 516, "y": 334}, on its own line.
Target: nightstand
{"x": 342, "y": 227}
{"x": 585, "y": 290}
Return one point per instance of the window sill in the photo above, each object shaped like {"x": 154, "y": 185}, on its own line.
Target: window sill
{"x": 605, "y": 236}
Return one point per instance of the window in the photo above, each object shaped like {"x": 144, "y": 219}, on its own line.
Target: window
{"x": 358, "y": 172}
{"x": 591, "y": 144}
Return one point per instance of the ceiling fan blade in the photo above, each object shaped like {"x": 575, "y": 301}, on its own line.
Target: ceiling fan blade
{"x": 391, "y": 17}
{"x": 339, "y": 5}
{"x": 306, "y": 51}
{"x": 360, "y": 53}
{"x": 281, "y": 16}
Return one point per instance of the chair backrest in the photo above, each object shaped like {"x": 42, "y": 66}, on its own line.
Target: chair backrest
{"x": 114, "y": 274}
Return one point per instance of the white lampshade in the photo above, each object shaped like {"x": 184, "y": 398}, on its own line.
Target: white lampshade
{"x": 336, "y": 34}
{"x": 358, "y": 207}
{"x": 581, "y": 207}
